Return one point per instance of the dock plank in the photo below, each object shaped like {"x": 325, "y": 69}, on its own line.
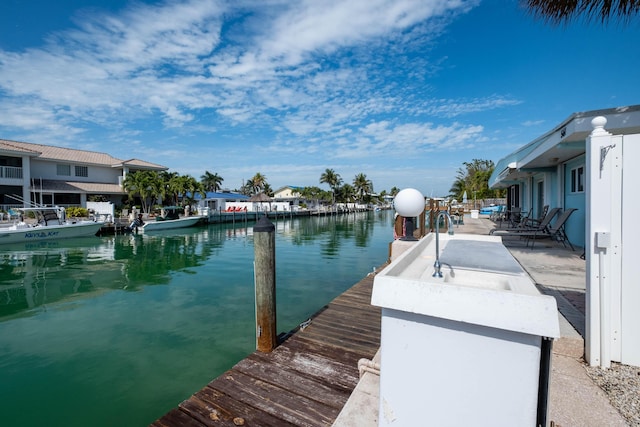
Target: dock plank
{"x": 305, "y": 381}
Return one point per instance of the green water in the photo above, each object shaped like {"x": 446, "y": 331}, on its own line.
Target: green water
{"x": 116, "y": 331}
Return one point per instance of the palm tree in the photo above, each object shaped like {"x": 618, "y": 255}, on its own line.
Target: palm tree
{"x": 144, "y": 184}
{"x": 474, "y": 178}
{"x": 266, "y": 189}
{"x": 561, "y": 12}
{"x": 346, "y": 193}
{"x": 211, "y": 181}
{"x": 257, "y": 183}
{"x": 362, "y": 186}
{"x": 331, "y": 178}
{"x": 184, "y": 187}
{"x": 394, "y": 191}
{"x": 166, "y": 185}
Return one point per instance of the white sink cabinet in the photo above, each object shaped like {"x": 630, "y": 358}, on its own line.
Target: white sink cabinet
{"x": 470, "y": 348}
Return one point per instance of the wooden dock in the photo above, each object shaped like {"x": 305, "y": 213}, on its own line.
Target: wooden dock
{"x": 305, "y": 381}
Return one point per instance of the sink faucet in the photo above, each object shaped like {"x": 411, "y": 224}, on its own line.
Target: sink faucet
{"x": 437, "y": 265}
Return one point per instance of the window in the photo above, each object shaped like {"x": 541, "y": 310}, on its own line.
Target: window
{"x": 577, "y": 180}
{"x": 82, "y": 171}
{"x": 64, "y": 170}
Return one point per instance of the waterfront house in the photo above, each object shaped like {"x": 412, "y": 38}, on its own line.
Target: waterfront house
{"x": 218, "y": 201}
{"x": 289, "y": 193}
{"x": 37, "y": 173}
{"x": 590, "y": 162}
{"x": 551, "y": 170}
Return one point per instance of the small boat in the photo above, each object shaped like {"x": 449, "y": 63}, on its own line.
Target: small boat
{"x": 50, "y": 224}
{"x": 171, "y": 219}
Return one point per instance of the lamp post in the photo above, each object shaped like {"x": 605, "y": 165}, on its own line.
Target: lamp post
{"x": 409, "y": 203}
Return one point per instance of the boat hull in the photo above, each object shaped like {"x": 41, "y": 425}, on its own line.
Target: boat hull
{"x": 170, "y": 223}
{"x": 50, "y": 232}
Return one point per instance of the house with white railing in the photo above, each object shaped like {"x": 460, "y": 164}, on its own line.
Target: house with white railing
{"x": 50, "y": 175}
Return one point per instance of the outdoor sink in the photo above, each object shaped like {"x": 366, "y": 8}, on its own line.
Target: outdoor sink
{"x": 482, "y": 284}
{"x": 475, "y": 333}
{"x": 476, "y": 279}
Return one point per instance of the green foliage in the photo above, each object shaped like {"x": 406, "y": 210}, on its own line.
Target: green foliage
{"x": 211, "y": 181}
{"x": 77, "y": 212}
{"x": 474, "y": 179}
{"x": 170, "y": 187}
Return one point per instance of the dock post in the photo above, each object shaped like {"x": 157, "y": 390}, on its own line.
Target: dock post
{"x": 264, "y": 244}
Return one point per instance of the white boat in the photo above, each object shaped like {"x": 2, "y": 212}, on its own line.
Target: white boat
{"x": 50, "y": 225}
{"x": 170, "y": 220}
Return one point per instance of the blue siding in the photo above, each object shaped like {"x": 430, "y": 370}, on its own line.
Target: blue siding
{"x": 576, "y": 224}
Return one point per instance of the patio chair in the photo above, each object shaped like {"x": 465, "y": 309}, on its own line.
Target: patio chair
{"x": 497, "y": 214}
{"x": 528, "y": 225}
{"x": 532, "y": 222}
{"x": 513, "y": 216}
{"x": 555, "y": 231}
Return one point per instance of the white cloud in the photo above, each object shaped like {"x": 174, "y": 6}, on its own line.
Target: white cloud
{"x": 304, "y": 79}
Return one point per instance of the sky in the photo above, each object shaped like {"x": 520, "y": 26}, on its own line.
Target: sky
{"x": 404, "y": 91}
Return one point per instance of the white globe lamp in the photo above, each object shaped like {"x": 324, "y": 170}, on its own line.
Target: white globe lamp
{"x": 409, "y": 203}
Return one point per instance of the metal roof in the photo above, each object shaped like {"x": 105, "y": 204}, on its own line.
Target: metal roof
{"x": 564, "y": 142}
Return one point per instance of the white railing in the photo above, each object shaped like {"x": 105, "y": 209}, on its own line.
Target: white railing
{"x": 10, "y": 172}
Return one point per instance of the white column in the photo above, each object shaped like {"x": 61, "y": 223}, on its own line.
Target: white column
{"x": 630, "y": 271}
{"x": 26, "y": 180}
{"x": 602, "y": 247}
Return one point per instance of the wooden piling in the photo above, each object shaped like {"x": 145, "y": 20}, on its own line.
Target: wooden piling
{"x": 265, "y": 284}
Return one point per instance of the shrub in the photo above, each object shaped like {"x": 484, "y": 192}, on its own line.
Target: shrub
{"x": 77, "y": 212}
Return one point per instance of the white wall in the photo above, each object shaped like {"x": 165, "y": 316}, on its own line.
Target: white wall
{"x": 630, "y": 293}
{"x": 48, "y": 170}
{"x": 612, "y": 249}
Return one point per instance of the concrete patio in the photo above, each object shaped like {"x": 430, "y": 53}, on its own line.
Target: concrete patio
{"x": 574, "y": 399}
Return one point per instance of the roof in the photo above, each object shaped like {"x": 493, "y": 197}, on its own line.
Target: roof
{"x": 141, "y": 164}
{"x": 16, "y": 148}
{"x": 50, "y": 152}
{"x": 564, "y": 142}
{"x": 75, "y": 186}
{"x": 225, "y": 196}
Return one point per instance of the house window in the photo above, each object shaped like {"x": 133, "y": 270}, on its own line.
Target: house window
{"x": 577, "y": 180}
{"x": 82, "y": 171}
{"x": 63, "y": 170}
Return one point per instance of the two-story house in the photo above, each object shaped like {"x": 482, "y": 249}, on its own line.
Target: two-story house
{"x": 44, "y": 174}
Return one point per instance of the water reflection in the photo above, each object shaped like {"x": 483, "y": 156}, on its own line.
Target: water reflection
{"x": 35, "y": 274}
{"x": 134, "y": 324}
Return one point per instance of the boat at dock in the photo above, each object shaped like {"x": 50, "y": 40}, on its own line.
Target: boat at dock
{"x": 170, "y": 219}
{"x": 50, "y": 224}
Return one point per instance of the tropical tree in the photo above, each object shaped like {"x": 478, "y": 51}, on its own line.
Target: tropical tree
{"x": 181, "y": 187}
{"x": 345, "y": 193}
{"x": 562, "y": 12}
{"x": 333, "y": 180}
{"x": 266, "y": 189}
{"x": 211, "y": 181}
{"x": 166, "y": 183}
{"x": 474, "y": 179}
{"x": 146, "y": 185}
{"x": 257, "y": 183}
{"x": 192, "y": 187}
{"x": 394, "y": 191}
{"x": 315, "y": 193}
{"x": 363, "y": 187}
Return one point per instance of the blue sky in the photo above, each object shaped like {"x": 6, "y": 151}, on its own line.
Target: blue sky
{"x": 403, "y": 91}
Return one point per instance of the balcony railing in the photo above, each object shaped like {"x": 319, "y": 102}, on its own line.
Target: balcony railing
{"x": 10, "y": 172}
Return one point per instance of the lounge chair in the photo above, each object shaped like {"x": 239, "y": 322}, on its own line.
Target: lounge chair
{"x": 555, "y": 231}
{"x": 513, "y": 216}
{"x": 498, "y": 214}
{"x": 533, "y": 222}
{"x": 528, "y": 225}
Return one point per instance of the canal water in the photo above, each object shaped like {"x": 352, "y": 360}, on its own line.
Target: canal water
{"x": 117, "y": 330}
